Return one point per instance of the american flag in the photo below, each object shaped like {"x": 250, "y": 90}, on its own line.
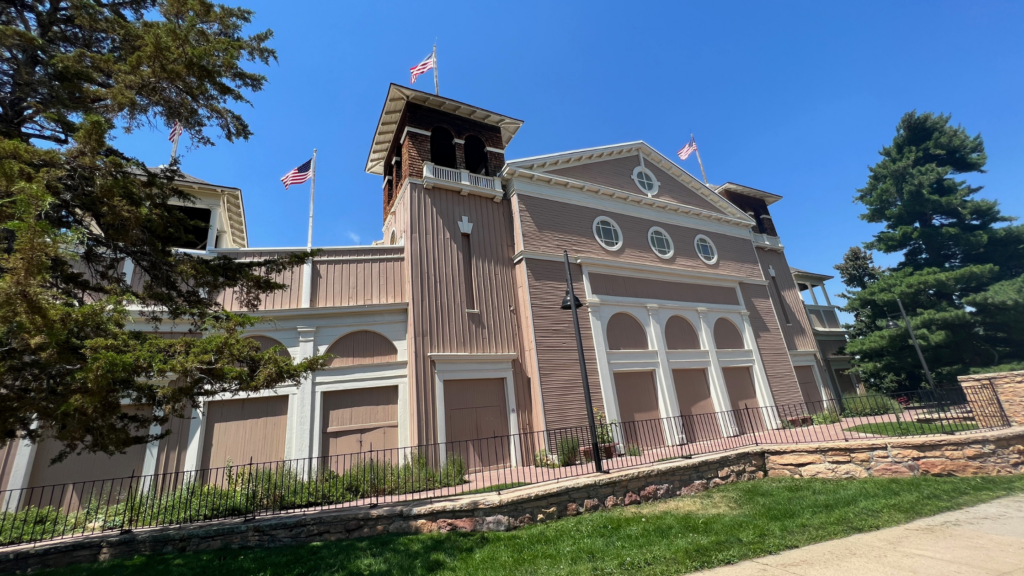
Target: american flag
{"x": 298, "y": 175}
{"x": 427, "y": 64}
{"x": 690, "y": 148}
{"x": 175, "y": 132}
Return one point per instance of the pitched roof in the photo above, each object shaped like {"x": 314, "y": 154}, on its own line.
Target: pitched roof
{"x": 809, "y": 275}
{"x": 768, "y": 197}
{"x": 394, "y": 105}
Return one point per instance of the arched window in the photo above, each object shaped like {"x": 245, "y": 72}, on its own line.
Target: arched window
{"x": 362, "y": 347}
{"x": 394, "y": 238}
{"x": 680, "y": 334}
{"x": 266, "y": 343}
{"x": 476, "y": 155}
{"x": 442, "y": 147}
{"x": 727, "y": 336}
{"x": 626, "y": 333}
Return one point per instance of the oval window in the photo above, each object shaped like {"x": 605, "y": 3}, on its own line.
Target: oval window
{"x": 705, "y": 249}
{"x": 645, "y": 180}
{"x": 660, "y": 242}
{"x": 607, "y": 233}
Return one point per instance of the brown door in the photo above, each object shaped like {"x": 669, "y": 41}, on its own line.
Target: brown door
{"x": 695, "y": 404}
{"x": 359, "y": 421}
{"x": 638, "y": 408}
{"x": 252, "y": 429}
{"x": 476, "y": 421}
{"x": 809, "y": 388}
{"x": 743, "y": 399}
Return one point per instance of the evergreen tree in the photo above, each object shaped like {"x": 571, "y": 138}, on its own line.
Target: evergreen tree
{"x": 961, "y": 263}
{"x": 73, "y": 208}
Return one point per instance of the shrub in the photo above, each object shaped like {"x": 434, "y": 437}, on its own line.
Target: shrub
{"x": 542, "y": 459}
{"x": 871, "y": 405}
{"x": 568, "y": 451}
{"x": 826, "y": 417}
{"x": 604, "y": 429}
{"x": 634, "y": 450}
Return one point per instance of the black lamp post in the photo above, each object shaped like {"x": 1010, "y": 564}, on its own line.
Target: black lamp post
{"x": 893, "y": 324}
{"x": 571, "y": 302}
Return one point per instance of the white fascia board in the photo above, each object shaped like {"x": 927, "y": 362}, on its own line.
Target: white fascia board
{"x": 620, "y": 202}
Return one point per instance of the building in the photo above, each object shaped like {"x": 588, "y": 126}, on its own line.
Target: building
{"x": 450, "y": 328}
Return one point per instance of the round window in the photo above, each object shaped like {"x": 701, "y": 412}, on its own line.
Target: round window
{"x": 607, "y": 233}
{"x": 660, "y": 242}
{"x": 705, "y": 249}
{"x": 645, "y": 180}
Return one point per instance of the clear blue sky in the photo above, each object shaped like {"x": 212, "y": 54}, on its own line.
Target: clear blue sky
{"x": 793, "y": 98}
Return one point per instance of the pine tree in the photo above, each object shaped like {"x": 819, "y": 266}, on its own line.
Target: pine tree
{"x": 73, "y": 208}
{"x": 961, "y": 261}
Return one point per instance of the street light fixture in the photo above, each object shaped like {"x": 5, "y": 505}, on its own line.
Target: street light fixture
{"x": 571, "y": 302}
{"x": 892, "y": 324}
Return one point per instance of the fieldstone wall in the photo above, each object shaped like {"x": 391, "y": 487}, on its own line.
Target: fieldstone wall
{"x": 1009, "y": 386}
{"x": 991, "y": 453}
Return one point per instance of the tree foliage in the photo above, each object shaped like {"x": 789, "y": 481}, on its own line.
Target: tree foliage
{"x": 960, "y": 273}
{"x": 73, "y": 208}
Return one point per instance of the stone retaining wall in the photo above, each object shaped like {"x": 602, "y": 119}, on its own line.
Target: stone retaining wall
{"x": 991, "y": 453}
{"x": 1009, "y": 386}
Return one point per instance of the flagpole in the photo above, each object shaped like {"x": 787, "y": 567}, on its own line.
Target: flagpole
{"x": 697, "y": 150}
{"x": 437, "y": 91}
{"x": 312, "y": 191}
{"x": 174, "y": 149}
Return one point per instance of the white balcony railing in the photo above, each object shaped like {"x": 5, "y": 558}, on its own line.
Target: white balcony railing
{"x": 766, "y": 241}
{"x": 433, "y": 173}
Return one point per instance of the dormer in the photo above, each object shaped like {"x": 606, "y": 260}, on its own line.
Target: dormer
{"x": 755, "y": 204}
{"x": 220, "y": 207}
{"x": 438, "y": 142}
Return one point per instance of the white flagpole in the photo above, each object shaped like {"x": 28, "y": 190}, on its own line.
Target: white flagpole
{"x": 312, "y": 190}
{"x": 174, "y": 145}
{"x": 437, "y": 91}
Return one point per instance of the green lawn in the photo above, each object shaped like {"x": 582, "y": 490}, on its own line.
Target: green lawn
{"x": 725, "y": 525}
{"x": 911, "y": 428}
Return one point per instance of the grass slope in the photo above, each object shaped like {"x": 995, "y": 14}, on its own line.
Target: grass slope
{"x": 725, "y": 525}
{"x": 912, "y": 428}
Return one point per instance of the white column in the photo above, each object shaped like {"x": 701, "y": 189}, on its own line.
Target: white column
{"x": 128, "y": 271}
{"x": 668, "y": 404}
{"x": 21, "y": 473}
{"x": 814, "y": 297}
{"x": 825, "y": 292}
{"x": 302, "y": 428}
{"x": 211, "y": 235}
{"x": 194, "y": 453}
{"x": 152, "y": 452}
{"x": 764, "y": 392}
{"x": 604, "y": 372}
{"x": 307, "y": 283}
{"x": 719, "y": 393}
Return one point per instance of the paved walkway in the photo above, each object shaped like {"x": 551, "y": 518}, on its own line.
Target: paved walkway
{"x": 983, "y": 540}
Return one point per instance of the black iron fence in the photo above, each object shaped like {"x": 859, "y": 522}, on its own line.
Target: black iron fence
{"x": 481, "y": 465}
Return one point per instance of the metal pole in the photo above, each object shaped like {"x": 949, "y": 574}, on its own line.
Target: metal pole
{"x": 437, "y": 90}
{"x": 595, "y": 445}
{"x": 312, "y": 190}
{"x": 917, "y": 346}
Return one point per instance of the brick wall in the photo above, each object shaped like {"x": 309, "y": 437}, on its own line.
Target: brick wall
{"x": 989, "y": 453}
{"x": 1009, "y": 386}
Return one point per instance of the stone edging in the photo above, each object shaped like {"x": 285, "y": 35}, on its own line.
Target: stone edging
{"x": 999, "y": 452}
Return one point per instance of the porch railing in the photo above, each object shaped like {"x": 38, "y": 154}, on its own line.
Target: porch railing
{"x": 249, "y": 490}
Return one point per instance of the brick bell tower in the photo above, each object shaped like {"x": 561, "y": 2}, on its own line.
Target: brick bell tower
{"x": 443, "y": 201}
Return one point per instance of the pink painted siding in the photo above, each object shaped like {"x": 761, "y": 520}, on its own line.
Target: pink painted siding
{"x": 727, "y": 335}
{"x": 797, "y": 332}
{"x": 680, "y": 334}
{"x": 438, "y": 317}
{"x": 290, "y": 297}
{"x": 625, "y": 332}
{"x": 646, "y": 288}
{"x": 362, "y": 347}
{"x": 549, "y": 225}
{"x": 618, "y": 173}
{"x": 559, "y": 371}
{"x": 770, "y": 344}
{"x": 358, "y": 277}
{"x": 243, "y": 430}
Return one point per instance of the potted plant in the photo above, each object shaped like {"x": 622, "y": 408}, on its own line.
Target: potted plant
{"x": 605, "y": 438}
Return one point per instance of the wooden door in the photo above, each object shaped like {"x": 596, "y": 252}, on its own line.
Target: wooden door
{"x": 251, "y": 429}
{"x": 476, "y": 421}
{"x": 743, "y": 399}
{"x": 695, "y": 405}
{"x": 357, "y": 421}
{"x": 638, "y": 408}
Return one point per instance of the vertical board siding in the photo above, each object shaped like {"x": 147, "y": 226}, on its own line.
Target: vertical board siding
{"x": 774, "y": 355}
{"x": 359, "y": 277}
{"x": 528, "y": 401}
{"x": 624, "y": 332}
{"x": 638, "y": 401}
{"x": 831, "y": 347}
{"x": 808, "y": 385}
{"x": 680, "y": 334}
{"x": 362, "y": 347}
{"x": 550, "y": 225}
{"x": 618, "y": 173}
{"x": 170, "y": 456}
{"x": 289, "y": 297}
{"x": 558, "y": 367}
{"x": 650, "y": 289}
{"x": 360, "y": 420}
{"x": 438, "y": 320}
{"x": 240, "y": 430}
{"x": 727, "y": 336}
{"x": 797, "y": 333}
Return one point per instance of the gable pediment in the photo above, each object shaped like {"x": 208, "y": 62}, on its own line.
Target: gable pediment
{"x": 612, "y": 167}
